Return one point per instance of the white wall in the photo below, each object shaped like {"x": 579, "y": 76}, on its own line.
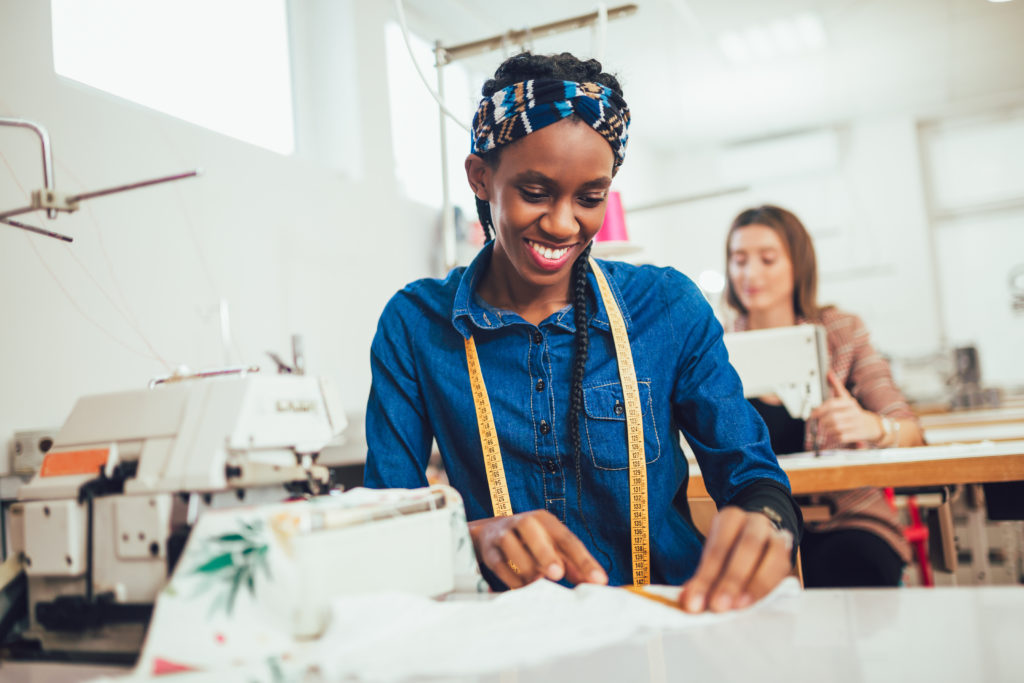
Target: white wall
{"x": 976, "y": 177}
{"x": 311, "y": 246}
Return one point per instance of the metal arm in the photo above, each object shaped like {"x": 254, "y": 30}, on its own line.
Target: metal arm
{"x": 44, "y": 139}
{"x": 48, "y": 198}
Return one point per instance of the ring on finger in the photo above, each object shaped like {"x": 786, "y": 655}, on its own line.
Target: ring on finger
{"x": 513, "y": 567}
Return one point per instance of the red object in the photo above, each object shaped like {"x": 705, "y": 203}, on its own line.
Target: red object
{"x": 164, "y": 666}
{"x": 917, "y": 535}
{"x": 614, "y": 227}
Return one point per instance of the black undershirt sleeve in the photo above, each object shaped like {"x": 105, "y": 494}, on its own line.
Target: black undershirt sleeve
{"x": 768, "y": 493}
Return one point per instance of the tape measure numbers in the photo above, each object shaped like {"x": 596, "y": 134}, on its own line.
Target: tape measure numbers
{"x": 639, "y": 532}
{"x": 488, "y": 435}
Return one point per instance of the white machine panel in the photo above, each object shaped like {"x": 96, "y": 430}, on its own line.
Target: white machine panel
{"x": 277, "y": 409}
{"x": 54, "y": 538}
{"x": 124, "y": 416}
{"x": 790, "y": 362}
{"x": 141, "y": 524}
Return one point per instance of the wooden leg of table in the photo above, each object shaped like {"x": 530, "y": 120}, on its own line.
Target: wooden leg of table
{"x": 703, "y": 510}
{"x": 977, "y": 535}
{"x": 947, "y": 538}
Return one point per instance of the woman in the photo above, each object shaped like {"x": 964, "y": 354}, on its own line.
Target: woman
{"x": 530, "y": 378}
{"x": 773, "y": 282}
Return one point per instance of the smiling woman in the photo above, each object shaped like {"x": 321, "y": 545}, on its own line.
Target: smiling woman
{"x": 556, "y": 385}
{"x": 548, "y": 195}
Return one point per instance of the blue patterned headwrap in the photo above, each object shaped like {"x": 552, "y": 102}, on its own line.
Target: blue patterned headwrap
{"x": 522, "y": 108}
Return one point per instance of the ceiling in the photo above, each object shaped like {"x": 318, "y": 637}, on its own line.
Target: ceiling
{"x": 925, "y": 57}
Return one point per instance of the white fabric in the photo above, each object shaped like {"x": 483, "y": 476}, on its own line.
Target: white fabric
{"x": 394, "y": 637}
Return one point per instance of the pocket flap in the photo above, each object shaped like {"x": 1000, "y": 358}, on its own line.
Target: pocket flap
{"x": 606, "y": 402}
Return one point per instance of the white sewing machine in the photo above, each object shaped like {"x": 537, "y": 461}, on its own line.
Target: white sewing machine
{"x": 99, "y": 528}
{"x": 791, "y": 362}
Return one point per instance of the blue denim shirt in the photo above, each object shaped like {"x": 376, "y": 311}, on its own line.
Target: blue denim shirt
{"x": 421, "y": 391}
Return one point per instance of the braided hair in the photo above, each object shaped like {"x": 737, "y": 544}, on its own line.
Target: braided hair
{"x": 565, "y": 66}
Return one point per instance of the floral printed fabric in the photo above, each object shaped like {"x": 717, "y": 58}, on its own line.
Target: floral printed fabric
{"x": 254, "y": 584}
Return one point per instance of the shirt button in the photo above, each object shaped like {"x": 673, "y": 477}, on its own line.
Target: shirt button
{"x": 544, "y": 427}
{"x": 540, "y": 385}
{"x": 551, "y": 466}
{"x": 537, "y": 338}
{"x": 619, "y": 409}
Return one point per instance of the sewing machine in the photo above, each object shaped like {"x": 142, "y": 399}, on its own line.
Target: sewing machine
{"x": 100, "y": 527}
{"x": 791, "y": 362}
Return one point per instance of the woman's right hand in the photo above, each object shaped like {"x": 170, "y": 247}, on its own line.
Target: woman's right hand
{"x": 843, "y": 419}
{"x": 534, "y": 544}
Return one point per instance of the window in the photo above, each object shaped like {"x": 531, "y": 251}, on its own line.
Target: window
{"x": 415, "y": 126}
{"x": 221, "y": 64}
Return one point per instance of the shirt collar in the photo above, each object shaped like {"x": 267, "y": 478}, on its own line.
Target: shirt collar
{"x": 469, "y": 311}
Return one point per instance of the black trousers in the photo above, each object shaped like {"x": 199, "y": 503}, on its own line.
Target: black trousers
{"x": 848, "y": 558}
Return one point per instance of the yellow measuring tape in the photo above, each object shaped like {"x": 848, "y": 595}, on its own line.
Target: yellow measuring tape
{"x": 488, "y": 435}
{"x": 639, "y": 534}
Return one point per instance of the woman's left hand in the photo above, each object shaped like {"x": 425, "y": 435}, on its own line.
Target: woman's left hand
{"x": 842, "y": 418}
{"x": 744, "y": 558}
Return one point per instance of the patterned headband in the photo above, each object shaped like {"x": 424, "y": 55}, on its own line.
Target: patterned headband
{"x": 522, "y": 108}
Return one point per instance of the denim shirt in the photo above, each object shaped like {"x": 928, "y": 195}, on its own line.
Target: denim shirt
{"x": 421, "y": 391}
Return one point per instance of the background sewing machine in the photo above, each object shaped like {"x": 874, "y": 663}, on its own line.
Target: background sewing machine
{"x": 791, "y": 362}
{"x": 99, "y": 528}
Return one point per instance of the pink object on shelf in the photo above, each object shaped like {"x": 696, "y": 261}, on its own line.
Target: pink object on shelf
{"x": 614, "y": 227}
{"x": 612, "y": 239}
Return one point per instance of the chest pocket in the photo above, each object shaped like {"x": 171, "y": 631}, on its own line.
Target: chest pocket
{"x": 604, "y": 425}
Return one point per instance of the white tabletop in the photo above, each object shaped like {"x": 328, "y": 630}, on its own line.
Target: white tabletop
{"x": 840, "y": 636}
{"x": 960, "y": 635}
{"x": 961, "y": 417}
{"x": 837, "y": 470}
{"x": 869, "y": 456}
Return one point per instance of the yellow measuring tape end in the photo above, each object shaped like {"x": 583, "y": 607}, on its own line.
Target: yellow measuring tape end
{"x": 488, "y": 435}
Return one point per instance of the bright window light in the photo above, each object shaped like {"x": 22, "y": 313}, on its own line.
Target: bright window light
{"x": 786, "y": 37}
{"x": 734, "y": 47}
{"x": 810, "y": 29}
{"x": 221, "y": 64}
{"x": 789, "y": 36}
{"x": 415, "y": 121}
{"x": 711, "y": 281}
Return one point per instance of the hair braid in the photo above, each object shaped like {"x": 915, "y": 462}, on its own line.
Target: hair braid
{"x": 579, "y": 363}
{"x": 579, "y": 284}
{"x": 483, "y": 212}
